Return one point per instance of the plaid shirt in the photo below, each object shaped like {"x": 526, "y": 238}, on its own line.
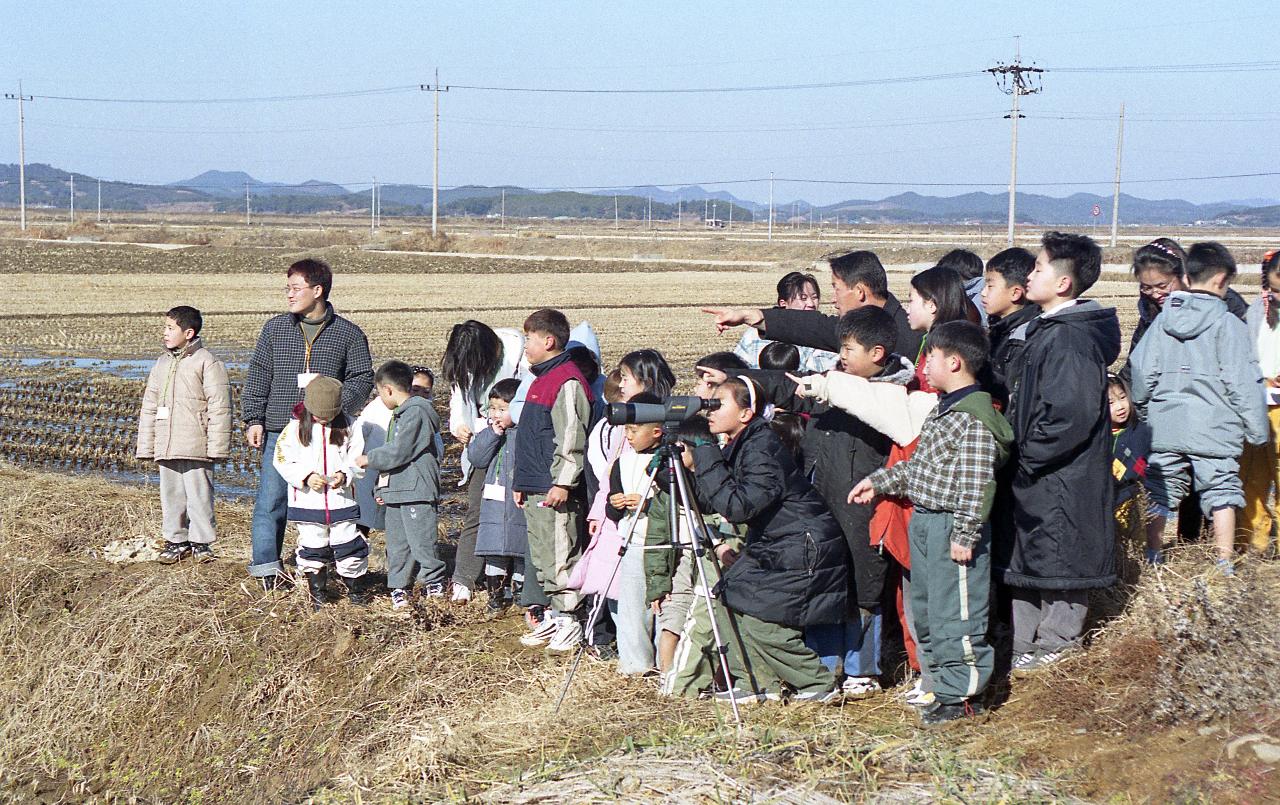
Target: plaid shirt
{"x": 811, "y": 360}
{"x": 340, "y": 351}
{"x": 954, "y": 462}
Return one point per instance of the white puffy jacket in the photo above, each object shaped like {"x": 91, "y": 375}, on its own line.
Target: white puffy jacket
{"x": 295, "y": 462}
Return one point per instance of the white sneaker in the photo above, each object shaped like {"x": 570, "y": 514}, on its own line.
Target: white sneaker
{"x": 859, "y": 686}
{"x": 833, "y": 696}
{"x": 461, "y": 593}
{"x": 399, "y": 598}
{"x": 540, "y": 635}
{"x": 568, "y": 635}
{"x": 918, "y": 696}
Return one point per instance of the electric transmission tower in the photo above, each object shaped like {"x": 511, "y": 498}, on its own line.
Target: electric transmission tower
{"x": 1016, "y": 80}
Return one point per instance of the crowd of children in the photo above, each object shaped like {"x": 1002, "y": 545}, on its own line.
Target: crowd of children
{"x": 946, "y": 477}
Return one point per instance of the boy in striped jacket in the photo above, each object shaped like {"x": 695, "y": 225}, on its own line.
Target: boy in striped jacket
{"x": 951, "y": 481}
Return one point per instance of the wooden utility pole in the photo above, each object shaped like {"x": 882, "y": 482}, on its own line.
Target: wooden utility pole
{"x": 22, "y": 153}
{"x": 1115, "y": 200}
{"x": 1016, "y": 80}
{"x": 435, "y": 89}
{"x": 770, "y": 205}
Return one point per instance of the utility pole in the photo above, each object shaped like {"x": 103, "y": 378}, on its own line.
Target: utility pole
{"x": 73, "y": 199}
{"x": 1115, "y": 200}
{"x": 731, "y": 215}
{"x": 22, "y": 153}
{"x": 650, "y": 212}
{"x": 615, "y": 211}
{"x": 99, "y": 201}
{"x": 1016, "y": 80}
{"x": 504, "y": 209}
{"x": 770, "y": 205}
{"x": 246, "y": 204}
{"x": 680, "y": 212}
{"x": 435, "y": 163}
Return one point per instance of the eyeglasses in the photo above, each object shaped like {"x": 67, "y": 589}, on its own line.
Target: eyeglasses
{"x": 294, "y": 290}
{"x": 1161, "y": 288}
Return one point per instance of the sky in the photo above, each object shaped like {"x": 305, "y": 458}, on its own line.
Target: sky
{"x": 912, "y": 135}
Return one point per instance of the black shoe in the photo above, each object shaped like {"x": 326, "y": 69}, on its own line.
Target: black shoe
{"x": 174, "y": 552}
{"x": 358, "y": 591}
{"x": 941, "y": 713}
{"x": 497, "y": 589}
{"x": 316, "y": 584}
{"x": 201, "y": 552}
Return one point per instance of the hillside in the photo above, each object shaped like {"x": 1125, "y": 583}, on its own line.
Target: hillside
{"x": 224, "y": 191}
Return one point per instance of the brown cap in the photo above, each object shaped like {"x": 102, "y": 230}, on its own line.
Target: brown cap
{"x": 323, "y": 398}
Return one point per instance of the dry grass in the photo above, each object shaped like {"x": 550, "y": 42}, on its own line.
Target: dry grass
{"x": 185, "y": 684}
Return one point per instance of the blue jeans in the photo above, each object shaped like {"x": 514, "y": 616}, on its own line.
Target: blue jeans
{"x": 270, "y": 513}
{"x": 854, "y": 643}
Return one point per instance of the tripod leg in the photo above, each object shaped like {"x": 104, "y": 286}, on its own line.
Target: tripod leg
{"x": 699, "y": 552}
{"x": 594, "y": 614}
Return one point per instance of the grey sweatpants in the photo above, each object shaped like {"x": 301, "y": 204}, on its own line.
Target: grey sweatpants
{"x": 1047, "y": 620}
{"x": 950, "y": 603}
{"x": 412, "y": 533}
{"x": 186, "y": 500}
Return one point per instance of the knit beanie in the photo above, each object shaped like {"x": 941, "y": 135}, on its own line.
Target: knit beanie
{"x": 323, "y": 398}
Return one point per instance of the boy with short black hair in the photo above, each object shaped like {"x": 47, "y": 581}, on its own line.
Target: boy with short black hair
{"x": 951, "y": 480}
{"x": 185, "y": 426}
{"x": 726, "y": 362}
{"x": 550, "y": 458}
{"x": 1197, "y": 380}
{"x": 1059, "y": 542}
{"x": 1004, "y": 298}
{"x": 409, "y": 485}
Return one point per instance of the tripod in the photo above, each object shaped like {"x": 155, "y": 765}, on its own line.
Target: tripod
{"x": 682, "y": 502}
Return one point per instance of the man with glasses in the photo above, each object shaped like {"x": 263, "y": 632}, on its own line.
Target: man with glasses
{"x": 293, "y": 349}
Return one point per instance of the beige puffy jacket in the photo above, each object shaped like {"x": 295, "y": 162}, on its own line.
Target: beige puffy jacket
{"x": 195, "y": 389}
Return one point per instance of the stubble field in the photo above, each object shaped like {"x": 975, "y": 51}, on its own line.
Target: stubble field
{"x": 184, "y": 684}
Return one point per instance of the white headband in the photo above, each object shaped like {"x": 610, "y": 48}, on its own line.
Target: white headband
{"x": 751, "y": 390}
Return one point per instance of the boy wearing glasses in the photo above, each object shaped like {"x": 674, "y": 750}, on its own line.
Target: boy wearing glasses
{"x": 308, "y": 340}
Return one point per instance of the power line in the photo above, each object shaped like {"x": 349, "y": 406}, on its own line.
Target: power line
{"x": 260, "y": 99}
{"x": 706, "y": 90}
{"x": 1219, "y": 67}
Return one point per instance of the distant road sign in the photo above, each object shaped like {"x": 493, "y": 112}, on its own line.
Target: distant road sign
{"x": 1096, "y": 211}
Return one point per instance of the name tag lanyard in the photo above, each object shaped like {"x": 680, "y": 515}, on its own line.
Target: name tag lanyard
{"x": 162, "y": 410}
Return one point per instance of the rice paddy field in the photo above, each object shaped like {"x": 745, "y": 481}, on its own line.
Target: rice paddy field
{"x": 121, "y": 680}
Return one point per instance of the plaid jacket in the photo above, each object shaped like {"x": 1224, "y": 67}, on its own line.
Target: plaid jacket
{"x": 340, "y": 351}
{"x": 952, "y": 470}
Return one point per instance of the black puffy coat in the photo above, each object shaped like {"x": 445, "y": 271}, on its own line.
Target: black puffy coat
{"x": 1061, "y": 535}
{"x": 839, "y": 450}
{"x": 1008, "y": 338}
{"x": 794, "y": 566}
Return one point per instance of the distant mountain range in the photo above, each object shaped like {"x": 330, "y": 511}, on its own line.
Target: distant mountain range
{"x": 224, "y": 191}
{"x": 234, "y": 183}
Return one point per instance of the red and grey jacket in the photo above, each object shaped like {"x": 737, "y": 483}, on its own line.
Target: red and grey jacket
{"x": 551, "y": 447}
